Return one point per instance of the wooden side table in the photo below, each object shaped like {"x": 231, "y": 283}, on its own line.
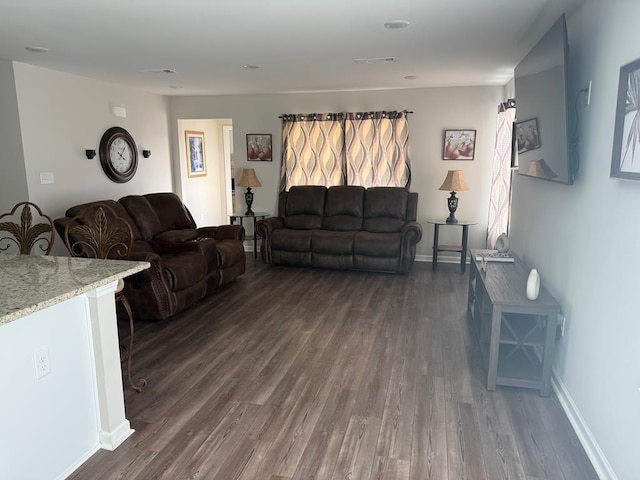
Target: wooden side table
{"x": 517, "y": 336}
{"x": 461, "y": 249}
{"x": 256, "y": 216}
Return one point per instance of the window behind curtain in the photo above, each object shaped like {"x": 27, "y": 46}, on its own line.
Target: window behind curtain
{"x": 312, "y": 150}
{"x": 500, "y": 197}
{"x": 377, "y": 149}
{"x": 364, "y": 148}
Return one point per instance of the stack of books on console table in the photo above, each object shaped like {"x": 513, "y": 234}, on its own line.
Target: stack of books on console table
{"x": 494, "y": 256}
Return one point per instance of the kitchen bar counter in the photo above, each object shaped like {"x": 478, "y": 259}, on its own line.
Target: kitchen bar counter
{"x": 60, "y": 371}
{"x": 30, "y": 283}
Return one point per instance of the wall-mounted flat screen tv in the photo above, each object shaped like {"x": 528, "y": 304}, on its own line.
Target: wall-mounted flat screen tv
{"x": 541, "y": 143}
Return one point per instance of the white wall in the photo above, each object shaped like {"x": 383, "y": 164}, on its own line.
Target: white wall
{"x": 583, "y": 240}
{"x": 13, "y": 181}
{"x": 204, "y": 196}
{"x": 61, "y": 115}
{"x": 434, "y": 110}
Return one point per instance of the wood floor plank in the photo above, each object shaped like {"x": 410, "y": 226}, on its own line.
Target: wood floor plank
{"x": 321, "y": 453}
{"x": 309, "y": 374}
{"x": 464, "y": 446}
{"x": 357, "y": 452}
{"x": 534, "y": 444}
{"x": 390, "y": 469}
{"x": 429, "y": 442}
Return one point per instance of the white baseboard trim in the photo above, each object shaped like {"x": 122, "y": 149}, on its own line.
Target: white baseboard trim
{"x": 588, "y": 441}
{"x": 78, "y": 462}
{"x": 112, "y": 440}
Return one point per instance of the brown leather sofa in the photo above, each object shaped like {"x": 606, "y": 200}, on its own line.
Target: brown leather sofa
{"x": 187, "y": 263}
{"x": 344, "y": 227}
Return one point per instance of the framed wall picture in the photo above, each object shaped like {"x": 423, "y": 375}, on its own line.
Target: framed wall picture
{"x": 459, "y": 145}
{"x": 625, "y": 161}
{"x": 259, "y": 147}
{"x": 527, "y": 136}
{"x": 196, "y": 154}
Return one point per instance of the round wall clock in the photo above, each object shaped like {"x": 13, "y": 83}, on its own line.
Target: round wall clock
{"x": 118, "y": 155}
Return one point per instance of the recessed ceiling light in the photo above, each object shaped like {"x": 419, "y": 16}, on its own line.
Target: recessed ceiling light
{"x": 176, "y": 87}
{"x": 37, "y": 49}
{"x": 250, "y": 67}
{"x": 411, "y": 77}
{"x": 396, "y": 24}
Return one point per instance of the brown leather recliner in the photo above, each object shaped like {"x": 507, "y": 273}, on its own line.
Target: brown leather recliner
{"x": 187, "y": 263}
{"x": 344, "y": 227}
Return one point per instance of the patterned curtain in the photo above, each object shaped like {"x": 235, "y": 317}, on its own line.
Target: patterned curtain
{"x": 377, "y": 149}
{"x": 312, "y": 150}
{"x": 500, "y": 198}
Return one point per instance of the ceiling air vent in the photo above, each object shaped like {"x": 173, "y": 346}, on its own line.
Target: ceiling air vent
{"x": 376, "y": 60}
{"x": 159, "y": 70}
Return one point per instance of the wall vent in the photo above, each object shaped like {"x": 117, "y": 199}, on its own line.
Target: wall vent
{"x": 159, "y": 70}
{"x": 376, "y": 60}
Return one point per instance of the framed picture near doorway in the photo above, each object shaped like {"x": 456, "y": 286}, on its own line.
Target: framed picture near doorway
{"x": 196, "y": 156}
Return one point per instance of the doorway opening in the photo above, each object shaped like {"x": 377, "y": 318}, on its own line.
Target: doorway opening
{"x": 208, "y": 193}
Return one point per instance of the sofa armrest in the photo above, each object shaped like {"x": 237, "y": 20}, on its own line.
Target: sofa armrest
{"x": 264, "y": 229}
{"x": 410, "y": 235}
{"x": 269, "y": 224}
{"x": 223, "y": 232}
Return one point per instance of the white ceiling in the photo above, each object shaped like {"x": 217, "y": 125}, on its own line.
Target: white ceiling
{"x": 301, "y": 45}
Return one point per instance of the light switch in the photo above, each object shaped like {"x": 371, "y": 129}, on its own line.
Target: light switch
{"x": 46, "y": 178}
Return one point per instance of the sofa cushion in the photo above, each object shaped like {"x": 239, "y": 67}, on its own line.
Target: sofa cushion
{"x": 343, "y": 209}
{"x": 385, "y": 209}
{"x": 338, "y": 243}
{"x": 143, "y": 214}
{"x": 291, "y": 240}
{"x": 304, "y": 207}
{"x": 183, "y": 269}
{"x": 376, "y": 244}
{"x": 173, "y": 214}
{"x": 119, "y": 209}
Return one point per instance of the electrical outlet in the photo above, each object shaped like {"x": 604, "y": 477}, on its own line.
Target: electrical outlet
{"x": 41, "y": 363}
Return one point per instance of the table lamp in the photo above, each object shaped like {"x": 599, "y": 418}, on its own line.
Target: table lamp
{"x": 453, "y": 182}
{"x": 248, "y": 179}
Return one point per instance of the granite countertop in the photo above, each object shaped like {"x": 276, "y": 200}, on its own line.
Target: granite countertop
{"x": 29, "y": 283}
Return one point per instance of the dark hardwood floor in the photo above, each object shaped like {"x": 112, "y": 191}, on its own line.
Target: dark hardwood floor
{"x": 295, "y": 373}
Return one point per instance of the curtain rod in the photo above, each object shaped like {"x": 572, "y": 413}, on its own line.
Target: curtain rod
{"x": 370, "y": 111}
{"x": 510, "y": 103}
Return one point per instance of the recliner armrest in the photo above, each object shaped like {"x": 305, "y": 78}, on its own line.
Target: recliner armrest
{"x": 267, "y": 225}
{"x": 164, "y": 247}
{"x": 223, "y": 232}
{"x": 411, "y": 232}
